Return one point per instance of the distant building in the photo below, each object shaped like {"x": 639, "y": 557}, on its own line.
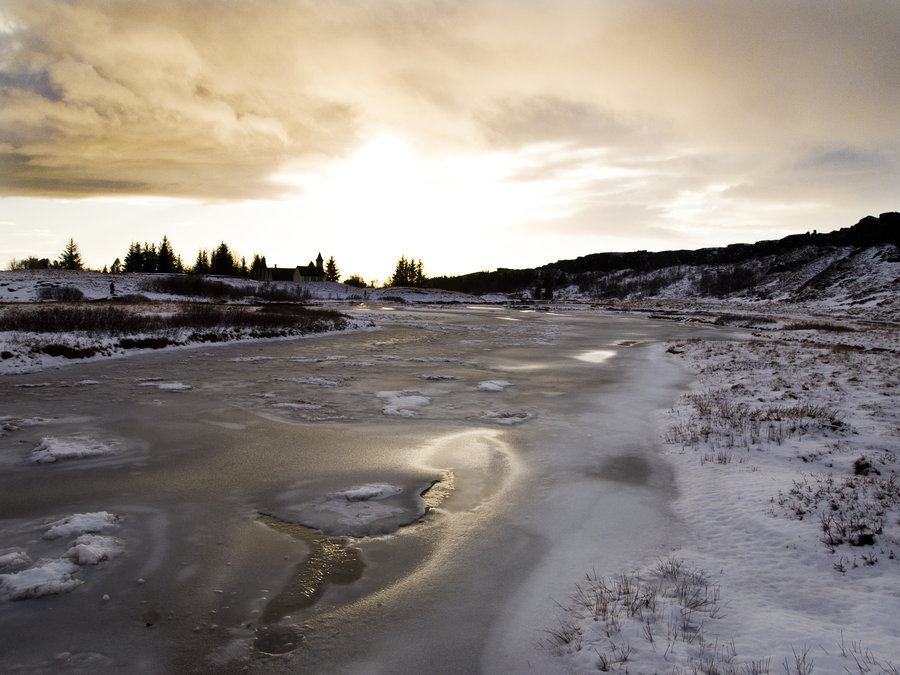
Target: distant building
{"x": 315, "y": 271}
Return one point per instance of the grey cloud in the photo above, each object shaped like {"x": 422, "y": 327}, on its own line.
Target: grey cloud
{"x": 34, "y": 80}
{"x": 545, "y": 118}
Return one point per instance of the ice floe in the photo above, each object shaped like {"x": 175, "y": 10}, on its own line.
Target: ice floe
{"x": 362, "y": 510}
{"x": 14, "y": 560}
{"x": 166, "y": 386}
{"x": 401, "y": 403}
{"x": 493, "y": 385}
{"x": 52, "y": 449}
{"x": 48, "y": 577}
{"x": 92, "y": 549}
{"x": 24, "y": 579}
{"x": 97, "y": 522}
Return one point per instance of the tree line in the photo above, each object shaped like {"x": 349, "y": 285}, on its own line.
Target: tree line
{"x": 221, "y": 261}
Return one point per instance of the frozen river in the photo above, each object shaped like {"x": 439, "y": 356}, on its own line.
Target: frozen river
{"x": 467, "y": 466}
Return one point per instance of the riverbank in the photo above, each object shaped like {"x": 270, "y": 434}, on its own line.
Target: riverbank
{"x": 786, "y": 456}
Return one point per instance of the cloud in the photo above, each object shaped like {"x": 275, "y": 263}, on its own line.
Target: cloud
{"x": 210, "y": 100}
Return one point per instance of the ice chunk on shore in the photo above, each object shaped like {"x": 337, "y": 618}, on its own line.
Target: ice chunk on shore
{"x": 97, "y": 522}
{"x": 53, "y": 448}
{"x": 49, "y": 577}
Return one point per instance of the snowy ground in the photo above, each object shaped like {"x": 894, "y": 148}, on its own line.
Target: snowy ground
{"x": 777, "y": 551}
{"x": 786, "y": 452}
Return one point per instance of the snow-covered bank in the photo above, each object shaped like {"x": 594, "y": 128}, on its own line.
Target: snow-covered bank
{"x": 786, "y": 453}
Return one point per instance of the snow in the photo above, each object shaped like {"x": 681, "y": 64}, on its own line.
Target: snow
{"x": 52, "y": 449}
{"x": 82, "y": 523}
{"x": 402, "y": 403}
{"x": 14, "y": 560}
{"x": 167, "y": 386}
{"x": 53, "y": 576}
{"x": 92, "y": 549}
{"x": 493, "y": 385}
{"x": 784, "y": 451}
{"x": 48, "y": 577}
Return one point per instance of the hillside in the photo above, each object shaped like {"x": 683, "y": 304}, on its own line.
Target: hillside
{"x": 854, "y": 267}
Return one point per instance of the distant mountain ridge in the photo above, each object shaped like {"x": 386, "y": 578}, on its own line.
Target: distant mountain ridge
{"x": 858, "y": 265}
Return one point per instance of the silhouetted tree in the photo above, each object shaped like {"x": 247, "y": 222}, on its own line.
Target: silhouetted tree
{"x": 116, "y": 267}
{"x": 30, "y": 263}
{"x": 221, "y": 261}
{"x": 258, "y": 267}
{"x": 149, "y": 258}
{"x": 332, "y": 273}
{"x": 201, "y": 265}
{"x": 355, "y": 280}
{"x": 70, "y": 258}
{"x": 408, "y": 273}
{"x": 165, "y": 257}
{"x": 134, "y": 258}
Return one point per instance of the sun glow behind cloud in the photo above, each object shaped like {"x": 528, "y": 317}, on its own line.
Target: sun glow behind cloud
{"x": 390, "y": 200}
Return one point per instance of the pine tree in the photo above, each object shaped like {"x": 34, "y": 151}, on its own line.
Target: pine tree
{"x": 258, "y": 267}
{"x": 134, "y": 258}
{"x": 201, "y": 265}
{"x": 149, "y": 258}
{"x": 221, "y": 261}
{"x": 332, "y": 273}
{"x": 70, "y": 259}
{"x": 408, "y": 273}
{"x": 165, "y": 257}
{"x": 401, "y": 273}
{"x": 418, "y": 274}
{"x": 116, "y": 267}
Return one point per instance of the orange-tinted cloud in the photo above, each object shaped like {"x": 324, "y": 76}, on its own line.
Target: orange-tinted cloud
{"x": 211, "y": 99}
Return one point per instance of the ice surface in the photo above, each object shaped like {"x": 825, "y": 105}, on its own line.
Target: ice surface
{"x": 596, "y": 355}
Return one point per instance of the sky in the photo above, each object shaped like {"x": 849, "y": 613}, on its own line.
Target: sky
{"x": 470, "y": 134}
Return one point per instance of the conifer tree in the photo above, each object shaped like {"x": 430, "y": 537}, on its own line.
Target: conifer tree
{"x": 408, "y": 273}
{"x": 221, "y": 261}
{"x": 332, "y": 273}
{"x": 149, "y": 258}
{"x": 70, "y": 259}
{"x": 165, "y": 257}
{"x": 201, "y": 265}
{"x": 258, "y": 267}
{"x": 134, "y": 258}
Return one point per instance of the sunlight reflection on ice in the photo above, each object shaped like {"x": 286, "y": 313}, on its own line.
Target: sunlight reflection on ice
{"x": 596, "y": 356}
